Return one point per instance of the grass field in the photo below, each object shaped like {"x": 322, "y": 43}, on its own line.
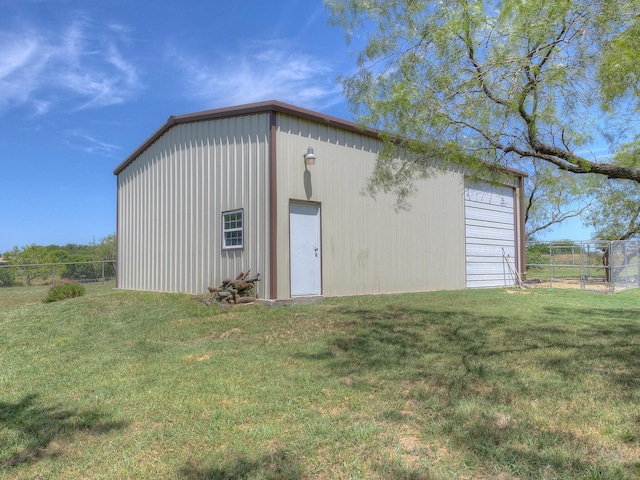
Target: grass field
{"x": 488, "y": 384}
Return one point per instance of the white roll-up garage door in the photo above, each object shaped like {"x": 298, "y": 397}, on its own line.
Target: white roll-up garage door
{"x": 490, "y": 235}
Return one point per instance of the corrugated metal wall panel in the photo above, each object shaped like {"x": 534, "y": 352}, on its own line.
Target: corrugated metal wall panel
{"x": 171, "y": 200}
{"x": 368, "y": 246}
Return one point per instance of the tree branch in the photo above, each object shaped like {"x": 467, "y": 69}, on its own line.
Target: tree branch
{"x": 480, "y": 73}
{"x": 561, "y": 217}
{"x": 633, "y": 227}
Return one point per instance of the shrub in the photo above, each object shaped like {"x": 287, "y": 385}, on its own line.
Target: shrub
{"x": 7, "y": 277}
{"x": 65, "y": 289}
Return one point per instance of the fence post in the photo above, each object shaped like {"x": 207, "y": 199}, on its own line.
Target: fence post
{"x": 637, "y": 264}
{"x": 608, "y": 271}
{"x": 614, "y": 258}
{"x": 626, "y": 266}
{"x": 583, "y": 270}
{"x": 550, "y": 266}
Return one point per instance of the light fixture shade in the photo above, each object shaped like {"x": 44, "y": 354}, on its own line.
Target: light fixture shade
{"x": 310, "y": 157}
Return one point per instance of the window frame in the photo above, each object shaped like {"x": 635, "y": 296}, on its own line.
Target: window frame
{"x": 231, "y": 230}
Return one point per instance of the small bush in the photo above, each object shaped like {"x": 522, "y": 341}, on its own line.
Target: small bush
{"x": 65, "y": 289}
{"x": 7, "y": 277}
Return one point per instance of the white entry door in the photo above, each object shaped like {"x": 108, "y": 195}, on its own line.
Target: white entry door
{"x": 304, "y": 244}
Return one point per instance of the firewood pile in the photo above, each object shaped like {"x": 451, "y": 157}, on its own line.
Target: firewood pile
{"x": 234, "y": 292}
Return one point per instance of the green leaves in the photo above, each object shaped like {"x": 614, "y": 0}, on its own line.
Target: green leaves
{"x": 617, "y": 216}
{"x": 64, "y": 290}
{"x": 32, "y": 257}
{"x": 503, "y": 79}
{"x": 628, "y": 155}
{"x": 619, "y": 69}
{"x": 553, "y": 196}
{"x": 36, "y": 260}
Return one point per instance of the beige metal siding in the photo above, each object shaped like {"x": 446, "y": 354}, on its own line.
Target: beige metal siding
{"x": 171, "y": 199}
{"x": 367, "y": 247}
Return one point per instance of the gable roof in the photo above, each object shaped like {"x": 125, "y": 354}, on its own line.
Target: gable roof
{"x": 260, "y": 107}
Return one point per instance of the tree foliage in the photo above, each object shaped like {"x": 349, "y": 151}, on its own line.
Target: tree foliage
{"x": 553, "y": 196}
{"x": 37, "y": 261}
{"x": 7, "y": 276}
{"x": 497, "y": 80}
{"x": 33, "y": 258}
{"x": 106, "y": 249}
{"x": 617, "y": 212}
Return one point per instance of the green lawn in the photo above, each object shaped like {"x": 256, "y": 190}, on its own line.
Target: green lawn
{"x": 472, "y": 384}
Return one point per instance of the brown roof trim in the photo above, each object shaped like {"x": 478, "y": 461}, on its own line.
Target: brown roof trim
{"x": 514, "y": 171}
{"x": 260, "y": 107}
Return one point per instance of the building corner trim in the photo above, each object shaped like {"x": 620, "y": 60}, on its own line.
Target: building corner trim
{"x": 273, "y": 208}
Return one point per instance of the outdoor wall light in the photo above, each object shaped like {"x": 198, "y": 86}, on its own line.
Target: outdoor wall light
{"x": 310, "y": 157}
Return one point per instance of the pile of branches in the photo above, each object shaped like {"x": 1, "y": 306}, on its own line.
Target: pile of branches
{"x": 234, "y": 292}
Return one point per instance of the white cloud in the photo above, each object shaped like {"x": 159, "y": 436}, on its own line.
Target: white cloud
{"x": 277, "y": 73}
{"x": 20, "y": 65}
{"x": 74, "y": 70}
{"x": 88, "y": 143}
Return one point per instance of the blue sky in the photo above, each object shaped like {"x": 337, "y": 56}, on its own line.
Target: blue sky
{"x": 83, "y": 83}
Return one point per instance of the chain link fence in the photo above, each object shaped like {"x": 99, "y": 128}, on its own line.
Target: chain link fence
{"x": 601, "y": 266}
{"x": 624, "y": 270}
{"x": 47, "y": 273}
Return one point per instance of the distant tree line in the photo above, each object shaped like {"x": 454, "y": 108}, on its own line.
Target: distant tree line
{"x": 33, "y": 262}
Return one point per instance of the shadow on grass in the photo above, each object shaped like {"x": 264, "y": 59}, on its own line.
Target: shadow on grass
{"x": 463, "y": 369}
{"x": 414, "y": 337}
{"x": 405, "y": 338}
{"x": 277, "y": 465}
{"x": 36, "y": 427}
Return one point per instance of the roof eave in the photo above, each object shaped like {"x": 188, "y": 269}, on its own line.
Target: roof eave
{"x": 260, "y": 107}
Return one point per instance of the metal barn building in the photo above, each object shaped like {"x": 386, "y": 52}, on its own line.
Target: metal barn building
{"x": 214, "y": 193}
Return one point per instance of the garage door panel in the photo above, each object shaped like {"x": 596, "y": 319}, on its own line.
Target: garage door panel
{"x": 487, "y": 268}
{"x": 490, "y": 195}
{"x": 479, "y": 215}
{"x": 490, "y": 260}
{"x": 490, "y": 236}
{"x": 484, "y": 281}
{"x": 480, "y": 253}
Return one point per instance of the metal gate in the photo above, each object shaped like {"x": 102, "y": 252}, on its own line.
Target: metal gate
{"x": 595, "y": 265}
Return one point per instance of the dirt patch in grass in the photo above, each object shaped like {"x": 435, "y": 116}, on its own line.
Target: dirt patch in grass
{"x": 411, "y": 444}
{"x": 502, "y": 421}
{"x": 572, "y": 284}
{"x": 198, "y": 358}
{"x": 228, "y": 333}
